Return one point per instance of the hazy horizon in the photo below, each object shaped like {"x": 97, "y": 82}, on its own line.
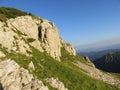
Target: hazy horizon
{"x": 80, "y": 22}
{"x": 101, "y": 45}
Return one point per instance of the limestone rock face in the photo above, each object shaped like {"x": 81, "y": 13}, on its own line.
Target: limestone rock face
{"x": 68, "y": 47}
{"x": 55, "y": 83}
{"x": 28, "y": 27}
{"x": 13, "y": 40}
{"x": 12, "y": 77}
{"x": 49, "y": 35}
{"x": 31, "y": 66}
{"x": 2, "y": 54}
{"x": 41, "y": 34}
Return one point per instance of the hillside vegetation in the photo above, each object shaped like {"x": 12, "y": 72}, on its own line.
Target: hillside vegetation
{"x": 70, "y": 75}
{"x": 7, "y": 13}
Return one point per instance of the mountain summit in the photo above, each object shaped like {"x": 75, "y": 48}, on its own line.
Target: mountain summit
{"x": 34, "y": 57}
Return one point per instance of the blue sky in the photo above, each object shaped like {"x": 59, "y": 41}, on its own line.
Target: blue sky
{"x": 80, "y": 22}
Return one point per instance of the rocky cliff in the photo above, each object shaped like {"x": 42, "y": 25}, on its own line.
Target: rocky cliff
{"x": 42, "y": 34}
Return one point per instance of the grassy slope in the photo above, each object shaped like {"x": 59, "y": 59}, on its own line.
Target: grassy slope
{"x": 69, "y": 74}
{"x": 10, "y": 13}
{"x": 7, "y": 13}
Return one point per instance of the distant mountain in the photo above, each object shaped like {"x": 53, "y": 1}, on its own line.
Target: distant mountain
{"x": 109, "y": 62}
{"x": 94, "y": 55}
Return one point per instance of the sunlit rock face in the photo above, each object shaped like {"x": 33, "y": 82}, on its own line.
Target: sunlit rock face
{"x": 69, "y": 48}
{"x": 12, "y": 77}
{"x": 49, "y": 36}
{"x": 20, "y": 33}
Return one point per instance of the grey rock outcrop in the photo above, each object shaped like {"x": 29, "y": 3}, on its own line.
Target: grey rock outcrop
{"x": 26, "y": 27}
{"x": 69, "y": 48}
{"x": 43, "y": 35}
{"x": 31, "y": 66}
{"x": 55, "y": 83}
{"x": 13, "y": 40}
{"x": 49, "y": 36}
{"x": 12, "y": 77}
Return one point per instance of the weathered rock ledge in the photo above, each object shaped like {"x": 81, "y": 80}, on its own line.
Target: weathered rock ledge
{"x": 19, "y": 33}
{"x": 12, "y": 77}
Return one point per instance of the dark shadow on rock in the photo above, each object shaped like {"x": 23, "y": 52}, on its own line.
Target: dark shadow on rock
{"x": 40, "y": 32}
{"x": 1, "y": 87}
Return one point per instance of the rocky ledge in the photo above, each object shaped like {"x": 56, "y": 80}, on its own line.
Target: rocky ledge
{"x": 39, "y": 33}
{"x": 12, "y": 77}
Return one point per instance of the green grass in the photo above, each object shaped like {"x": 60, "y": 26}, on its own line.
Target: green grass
{"x": 19, "y": 33}
{"x": 10, "y": 13}
{"x": 46, "y": 66}
{"x": 72, "y": 78}
{"x": 66, "y": 57}
{"x": 7, "y": 13}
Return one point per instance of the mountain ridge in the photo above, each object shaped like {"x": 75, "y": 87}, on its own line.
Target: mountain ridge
{"x": 109, "y": 62}
{"x": 97, "y": 54}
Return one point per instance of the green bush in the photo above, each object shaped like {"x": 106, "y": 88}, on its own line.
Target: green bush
{"x": 30, "y": 40}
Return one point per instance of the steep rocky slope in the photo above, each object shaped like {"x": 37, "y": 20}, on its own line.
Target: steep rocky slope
{"x": 40, "y": 33}
{"x": 34, "y": 57}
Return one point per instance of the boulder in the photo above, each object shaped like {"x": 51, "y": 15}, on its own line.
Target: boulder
{"x": 55, "y": 83}
{"x": 13, "y": 77}
{"x": 31, "y": 66}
